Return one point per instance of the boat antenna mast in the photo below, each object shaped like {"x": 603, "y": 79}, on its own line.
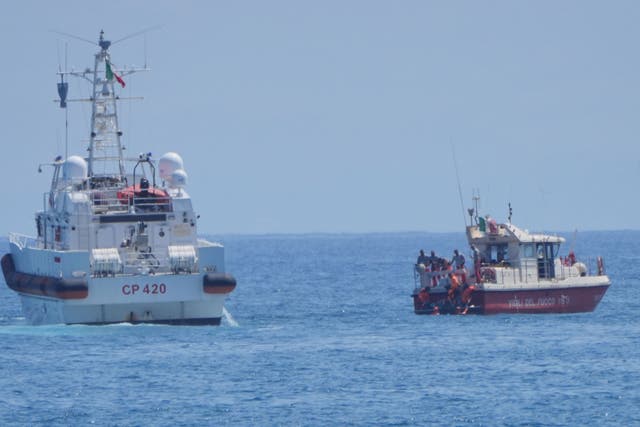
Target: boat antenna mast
{"x": 63, "y": 90}
{"x": 473, "y": 212}
{"x": 106, "y": 159}
{"x": 455, "y": 164}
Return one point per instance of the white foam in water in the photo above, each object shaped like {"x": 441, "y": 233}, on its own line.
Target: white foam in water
{"x": 229, "y": 318}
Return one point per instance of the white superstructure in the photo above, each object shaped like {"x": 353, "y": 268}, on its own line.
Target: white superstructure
{"x": 112, "y": 244}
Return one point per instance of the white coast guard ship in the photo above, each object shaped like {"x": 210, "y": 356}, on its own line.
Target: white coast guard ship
{"x": 116, "y": 246}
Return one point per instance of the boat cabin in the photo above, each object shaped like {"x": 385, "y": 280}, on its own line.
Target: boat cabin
{"x": 505, "y": 245}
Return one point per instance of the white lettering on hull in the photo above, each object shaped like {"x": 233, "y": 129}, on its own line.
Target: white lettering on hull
{"x": 541, "y": 302}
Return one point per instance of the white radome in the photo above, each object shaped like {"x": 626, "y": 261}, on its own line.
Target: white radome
{"x": 75, "y": 169}
{"x": 178, "y": 179}
{"x": 168, "y": 164}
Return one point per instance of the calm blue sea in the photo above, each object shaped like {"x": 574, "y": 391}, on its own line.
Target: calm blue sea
{"x": 321, "y": 332}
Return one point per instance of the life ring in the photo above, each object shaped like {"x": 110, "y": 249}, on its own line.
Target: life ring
{"x": 600, "y": 266}
{"x": 488, "y": 274}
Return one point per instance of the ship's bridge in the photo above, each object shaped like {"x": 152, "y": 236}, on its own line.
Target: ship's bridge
{"x": 509, "y": 246}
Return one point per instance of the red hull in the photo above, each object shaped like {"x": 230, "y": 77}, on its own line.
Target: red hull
{"x": 564, "y": 300}
{"x": 550, "y": 300}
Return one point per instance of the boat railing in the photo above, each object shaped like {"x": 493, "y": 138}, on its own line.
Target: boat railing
{"x": 590, "y": 266}
{"x": 23, "y": 241}
{"x": 416, "y": 277}
{"x": 527, "y": 272}
{"x": 135, "y": 262}
{"x": 108, "y": 201}
{"x": 424, "y": 278}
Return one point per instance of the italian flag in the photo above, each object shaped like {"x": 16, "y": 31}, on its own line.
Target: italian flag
{"x": 111, "y": 74}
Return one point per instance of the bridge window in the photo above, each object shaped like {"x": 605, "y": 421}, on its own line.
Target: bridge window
{"x": 528, "y": 250}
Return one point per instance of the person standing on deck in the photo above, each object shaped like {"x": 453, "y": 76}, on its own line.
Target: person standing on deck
{"x": 422, "y": 258}
{"x": 476, "y": 263}
{"x": 458, "y": 266}
{"x": 432, "y": 260}
{"x": 422, "y": 266}
{"x": 457, "y": 260}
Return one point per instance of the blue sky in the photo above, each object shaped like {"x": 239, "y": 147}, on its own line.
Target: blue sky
{"x": 340, "y": 116}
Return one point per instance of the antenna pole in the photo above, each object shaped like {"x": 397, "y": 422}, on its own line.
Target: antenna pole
{"x": 455, "y": 163}
{"x": 66, "y": 113}
{"x": 476, "y": 199}
{"x": 145, "y": 50}
{"x": 66, "y": 133}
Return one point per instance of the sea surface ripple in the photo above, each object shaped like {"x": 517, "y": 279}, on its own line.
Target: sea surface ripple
{"x": 320, "y": 331}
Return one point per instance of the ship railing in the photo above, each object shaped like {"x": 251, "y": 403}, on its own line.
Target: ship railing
{"x": 152, "y": 204}
{"x": 429, "y": 279}
{"x": 103, "y": 202}
{"x": 527, "y": 272}
{"x": 137, "y": 262}
{"x": 489, "y": 274}
{"x": 590, "y": 266}
{"x": 23, "y": 241}
{"x": 416, "y": 277}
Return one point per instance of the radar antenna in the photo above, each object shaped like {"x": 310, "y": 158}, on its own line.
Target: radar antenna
{"x": 138, "y": 33}
{"x": 73, "y": 37}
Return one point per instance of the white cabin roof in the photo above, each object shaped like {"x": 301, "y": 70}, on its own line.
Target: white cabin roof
{"x": 508, "y": 233}
{"x": 525, "y": 237}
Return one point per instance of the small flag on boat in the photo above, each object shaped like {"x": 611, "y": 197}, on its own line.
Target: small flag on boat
{"x": 111, "y": 74}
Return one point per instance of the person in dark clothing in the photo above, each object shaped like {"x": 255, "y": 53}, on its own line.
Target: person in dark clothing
{"x": 433, "y": 259}
{"x": 422, "y": 258}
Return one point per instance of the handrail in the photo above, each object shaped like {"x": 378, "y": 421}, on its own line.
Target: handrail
{"x": 104, "y": 200}
{"x": 520, "y": 274}
{"x": 22, "y": 240}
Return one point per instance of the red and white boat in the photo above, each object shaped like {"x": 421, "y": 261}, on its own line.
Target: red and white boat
{"x": 510, "y": 271}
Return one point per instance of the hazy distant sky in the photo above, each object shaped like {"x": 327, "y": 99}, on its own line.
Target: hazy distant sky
{"x": 340, "y": 116}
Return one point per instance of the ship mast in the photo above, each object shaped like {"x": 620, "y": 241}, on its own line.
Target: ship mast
{"x": 106, "y": 158}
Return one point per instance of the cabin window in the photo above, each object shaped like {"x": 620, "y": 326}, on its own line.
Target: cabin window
{"x": 546, "y": 253}
{"x": 528, "y": 251}
{"x": 496, "y": 254}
